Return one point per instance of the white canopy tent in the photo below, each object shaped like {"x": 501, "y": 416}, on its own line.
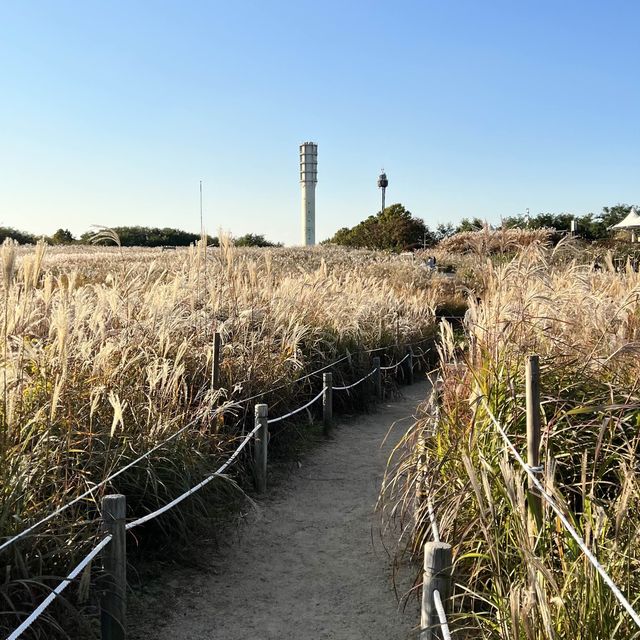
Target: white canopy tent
{"x": 632, "y": 221}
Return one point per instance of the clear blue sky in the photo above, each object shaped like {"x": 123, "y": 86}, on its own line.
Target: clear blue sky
{"x": 111, "y": 112}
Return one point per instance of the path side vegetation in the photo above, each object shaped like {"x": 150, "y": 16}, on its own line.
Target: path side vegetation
{"x": 585, "y": 326}
{"x": 106, "y": 352}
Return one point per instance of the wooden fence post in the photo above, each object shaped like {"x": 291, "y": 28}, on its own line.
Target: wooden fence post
{"x": 436, "y": 577}
{"x": 113, "y": 600}
{"x": 215, "y": 368}
{"x": 377, "y": 377}
{"x": 261, "y": 441}
{"x": 533, "y": 434}
{"x": 327, "y": 401}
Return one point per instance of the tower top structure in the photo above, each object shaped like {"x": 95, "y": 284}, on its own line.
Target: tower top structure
{"x": 308, "y": 181}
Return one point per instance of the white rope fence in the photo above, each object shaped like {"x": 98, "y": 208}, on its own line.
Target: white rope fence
{"x": 298, "y": 410}
{"x": 396, "y": 365}
{"x": 60, "y": 588}
{"x": 355, "y": 384}
{"x": 442, "y": 615}
{"x": 158, "y": 512}
{"x": 103, "y": 543}
{"x": 92, "y": 489}
{"x": 190, "y": 492}
{"x": 533, "y": 475}
{"x": 142, "y": 457}
{"x": 435, "y": 531}
{"x": 288, "y": 384}
{"x": 437, "y": 579}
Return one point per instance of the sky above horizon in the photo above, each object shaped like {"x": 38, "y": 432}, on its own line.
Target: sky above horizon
{"x": 113, "y": 112}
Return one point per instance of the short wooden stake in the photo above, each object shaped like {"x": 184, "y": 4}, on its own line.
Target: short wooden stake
{"x": 327, "y": 401}
{"x": 113, "y": 600}
{"x": 377, "y": 377}
{"x": 437, "y": 576}
{"x": 215, "y": 368}
{"x": 533, "y": 434}
{"x": 261, "y": 440}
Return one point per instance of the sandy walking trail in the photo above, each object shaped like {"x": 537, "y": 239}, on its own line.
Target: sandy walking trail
{"x": 311, "y": 563}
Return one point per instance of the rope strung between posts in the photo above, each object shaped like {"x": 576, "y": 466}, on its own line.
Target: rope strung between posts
{"x": 150, "y": 516}
{"x": 298, "y": 410}
{"x": 435, "y": 532}
{"x": 396, "y": 365}
{"x": 184, "y": 428}
{"x": 350, "y": 386}
{"x": 140, "y": 458}
{"x": 91, "y": 490}
{"x": 442, "y": 616}
{"x": 533, "y": 475}
{"x": 206, "y": 481}
{"x": 288, "y": 384}
{"x": 60, "y": 588}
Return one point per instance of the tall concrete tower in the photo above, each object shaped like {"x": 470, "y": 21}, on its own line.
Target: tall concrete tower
{"x": 308, "y": 180}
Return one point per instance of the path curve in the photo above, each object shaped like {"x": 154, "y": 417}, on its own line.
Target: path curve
{"x": 311, "y": 564}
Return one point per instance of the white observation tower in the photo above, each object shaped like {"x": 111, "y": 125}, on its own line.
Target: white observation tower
{"x": 308, "y": 180}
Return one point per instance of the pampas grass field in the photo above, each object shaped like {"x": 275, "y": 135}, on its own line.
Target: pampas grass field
{"x": 107, "y": 352}
{"x": 509, "y": 584}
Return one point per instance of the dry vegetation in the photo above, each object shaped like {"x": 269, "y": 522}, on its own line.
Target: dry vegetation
{"x": 585, "y": 325}
{"x": 488, "y": 241}
{"x": 107, "y": 352}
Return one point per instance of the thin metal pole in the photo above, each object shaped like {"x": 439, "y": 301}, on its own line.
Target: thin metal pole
{"x": 201, "y": 220}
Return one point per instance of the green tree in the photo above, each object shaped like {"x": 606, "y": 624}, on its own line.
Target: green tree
{"x": 591, "y": 226}
{"x": 601, "y": 227}
{"x": 254, "y": 240}
{"x": 151, "y": 237}
{"x": 393, "y": 229}
{"x": 22, "y": 237}
{"x": 470, "y": 224}
{"x": 62, "y": 236}
{"x": 444, "y": 231}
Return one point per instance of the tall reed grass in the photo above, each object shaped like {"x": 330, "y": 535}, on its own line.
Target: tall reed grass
{"x": 107, "y": 352}
{"x": 513, "y": 582}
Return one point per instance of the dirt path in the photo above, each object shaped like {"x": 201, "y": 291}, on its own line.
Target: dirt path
{"x": 311, "y": 564}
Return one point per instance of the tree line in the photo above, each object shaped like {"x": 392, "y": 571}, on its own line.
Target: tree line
{"x": 133, "y": 237}
{"x": 396, "y": 229}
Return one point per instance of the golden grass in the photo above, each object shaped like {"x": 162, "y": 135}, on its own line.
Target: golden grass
{"x": 585, "y": 325}
{"x": 488, "y": 241}
{"x": 106, "y": 352}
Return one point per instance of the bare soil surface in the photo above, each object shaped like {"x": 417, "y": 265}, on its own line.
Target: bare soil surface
{"x": 311, "y": 563}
